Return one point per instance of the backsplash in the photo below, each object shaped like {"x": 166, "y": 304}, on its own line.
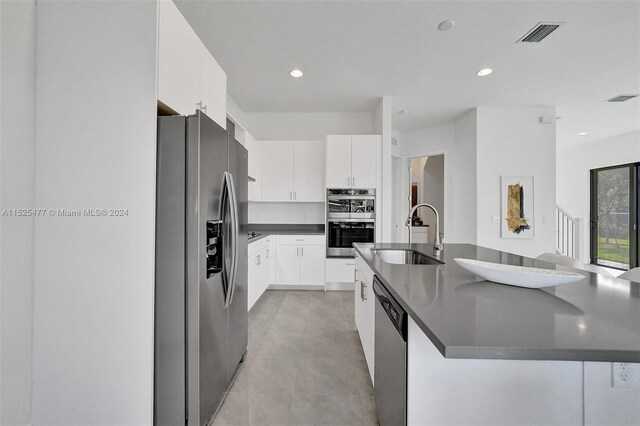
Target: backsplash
{"x": 304, "y": 213}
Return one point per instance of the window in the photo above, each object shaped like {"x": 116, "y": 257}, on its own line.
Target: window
{"x": 614, "y": 216}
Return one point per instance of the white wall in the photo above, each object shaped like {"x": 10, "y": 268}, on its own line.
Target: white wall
{"x": 433, "y": 189}
{"x": 96, "y": 148}
{"x": 383, "y": 125}
{"x": 17, "y": 133}
{"x": 460, "y": 189}
{"x": 307, "y": 126}
{"x": 293, "y": 213}
{"x": 457, "y": 141}
{"x": 573, "y": 166}
{"x": 512, "y": 142}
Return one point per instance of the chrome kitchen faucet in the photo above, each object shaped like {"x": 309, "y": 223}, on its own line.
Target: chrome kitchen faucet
{"x": 438, "y": 245}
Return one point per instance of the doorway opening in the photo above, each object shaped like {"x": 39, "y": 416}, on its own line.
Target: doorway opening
{"x": 615, "y": 203}
{"x": 426, "y": 185}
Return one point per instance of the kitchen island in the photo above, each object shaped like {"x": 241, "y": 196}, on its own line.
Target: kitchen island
{"x": 480, "y": 352}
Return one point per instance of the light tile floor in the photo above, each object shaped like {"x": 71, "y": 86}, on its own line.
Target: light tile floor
{"x": 304, "y": 366}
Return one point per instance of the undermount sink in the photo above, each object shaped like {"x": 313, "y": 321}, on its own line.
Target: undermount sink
{"x": 404, "y": 257}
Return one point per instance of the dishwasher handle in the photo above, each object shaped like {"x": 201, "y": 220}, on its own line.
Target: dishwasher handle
{"x": 392, "y": 308}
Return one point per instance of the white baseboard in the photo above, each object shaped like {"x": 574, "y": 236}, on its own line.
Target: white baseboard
{"x": 340, "y": 286}
{"x": 295, "y": 287}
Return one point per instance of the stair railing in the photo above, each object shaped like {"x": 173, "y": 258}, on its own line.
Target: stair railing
{"x": 569, "y": 234}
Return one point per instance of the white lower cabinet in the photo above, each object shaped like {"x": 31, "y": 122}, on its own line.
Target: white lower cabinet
{"x": 287, "y": 265}
{"x": 365, "y": 311}
{"x": 340, "y": 273}
{"x": 300, "y": 261}
{"x": 260, "y": 269}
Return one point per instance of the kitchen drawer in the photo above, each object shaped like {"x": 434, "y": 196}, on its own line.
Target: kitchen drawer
{"x": 340, "y": 270}
{"x": 301, "y": 240}
{"x": 256, "y": 246}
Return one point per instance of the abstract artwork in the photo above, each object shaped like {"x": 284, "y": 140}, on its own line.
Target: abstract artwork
{"x": 517, "y": 207}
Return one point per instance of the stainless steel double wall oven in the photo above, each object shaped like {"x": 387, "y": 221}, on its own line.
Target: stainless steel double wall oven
{"x": 351, "y": 218}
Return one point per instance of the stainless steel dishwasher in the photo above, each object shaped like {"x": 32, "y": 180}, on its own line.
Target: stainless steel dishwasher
{"x": 391, "y": 358}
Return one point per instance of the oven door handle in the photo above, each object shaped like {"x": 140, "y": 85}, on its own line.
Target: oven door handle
{"x": 350, "y": 220}
{"x": 350, "y": 197}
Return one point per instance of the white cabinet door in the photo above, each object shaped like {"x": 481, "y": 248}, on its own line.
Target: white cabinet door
{"x": 272, "y": 255}
{"x": 359, "y": 302}
{"x": 308, "y": 170}
{"x": 312, "y": 265}
{"x": 365, "y": 303}
{"x": 338, "y": 161}
{"x": 277, "y": 171}
{"x": 364, "y": 160}
{"x": 213, "y": 87}
{"x": 178, "y": 61}
{"x": 288, "y": 265}
{"x": 254, "y": 279}
{"x": 265, "y": 272}
{"x": 254, "y": 148}
{"x": 339, "y": 270}
{"x": 369, "y": 335}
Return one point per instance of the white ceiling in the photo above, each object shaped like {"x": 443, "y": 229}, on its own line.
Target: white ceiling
{"x": 354, "y": 52}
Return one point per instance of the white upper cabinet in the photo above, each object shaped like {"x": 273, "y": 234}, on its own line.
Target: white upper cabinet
{"x": 352, "y": 161}
{"x": 178, "y": 59}
{"x": 364, "y": 160}
{"x": 254, "y": 148}
{"x": 189, "y": 78}
{"x": 308, "y": 171}
{"x": 277, "y": 171}
{"x": 293, "y": 171}
{"x": 338, "y": 161}
{"x": 213, "y": 87}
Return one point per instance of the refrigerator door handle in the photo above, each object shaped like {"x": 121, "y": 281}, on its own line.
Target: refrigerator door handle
{"x": 234, "y": 238}
{"x": 227, "y": 278}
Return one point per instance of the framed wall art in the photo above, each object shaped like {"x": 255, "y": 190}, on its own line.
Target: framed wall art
{"x": 517, "y": 207}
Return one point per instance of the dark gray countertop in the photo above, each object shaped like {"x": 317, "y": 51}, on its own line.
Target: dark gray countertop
{"x": 284, "y": 229}
{"x": 595, "y": 319}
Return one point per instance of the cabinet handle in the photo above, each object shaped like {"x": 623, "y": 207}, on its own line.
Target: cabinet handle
{"x": 297, "y": 251}
{"x": 362, "y": 286}
{"x": 258, "y": 260}
{"x": 348, "y": 181}
{"x": 295, "y": 195}
{"x": 353, "y": 181}
{"x": 302, "y": 251}
{"x": 201, "y": 107}
{"x": 267, "y": 254}
{"x": 291, "y": 195}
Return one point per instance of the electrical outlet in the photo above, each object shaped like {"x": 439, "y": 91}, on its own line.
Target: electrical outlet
{"x": 495, "y": 219}
{"x": 623, "y": 375}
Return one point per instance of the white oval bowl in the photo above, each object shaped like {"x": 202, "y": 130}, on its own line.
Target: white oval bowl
{"x": 520, "y": 276}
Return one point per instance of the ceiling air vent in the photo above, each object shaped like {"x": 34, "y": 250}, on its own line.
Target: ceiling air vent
{"x": 540, "y": 32}
{"x": 622, "y": 98}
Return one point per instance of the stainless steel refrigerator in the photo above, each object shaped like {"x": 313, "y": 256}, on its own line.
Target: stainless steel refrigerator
{"x": 201, "y": 267}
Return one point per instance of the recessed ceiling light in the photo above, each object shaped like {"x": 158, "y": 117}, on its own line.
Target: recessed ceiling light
{"x": 446, "y": 25}
{"x": 403, "y": 111}
{"x": 296, "y": 73}
{"x": 583, "y": 133}
{"x": 484, "y": 72}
